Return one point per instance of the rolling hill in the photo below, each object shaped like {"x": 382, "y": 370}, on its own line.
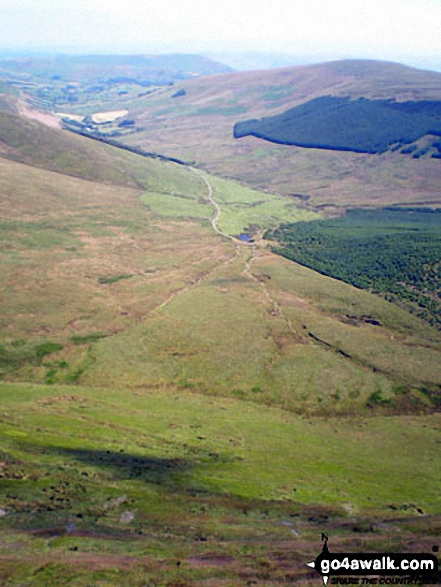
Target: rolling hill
{"x": 195, "y": 120}
{"x": 181, "y": 406}
{"x": 200, "y": 126}
{"x": 103, "y": 68}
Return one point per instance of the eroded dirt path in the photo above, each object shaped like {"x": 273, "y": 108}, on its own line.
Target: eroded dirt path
{"x": 32, "y": 113}
{"x": 217, "y": 209}
{"x": 193, "y": 284}
{"x": 276, "y": 309}
{"x": 208, "y": 273}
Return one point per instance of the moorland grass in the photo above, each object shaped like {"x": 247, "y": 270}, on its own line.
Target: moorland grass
{"x": 225, "y": 337}
{"x": 142, "y": 479}
{"x": 210, "y": 443}
{"x": 336, "y": 316}
{"x": 246, "y": 209}
{"x": 191, "y": 315}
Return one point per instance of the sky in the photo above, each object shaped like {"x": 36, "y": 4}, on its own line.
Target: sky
{"x": 406, "y": 31}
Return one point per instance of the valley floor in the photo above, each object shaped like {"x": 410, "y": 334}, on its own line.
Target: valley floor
{"x": 181, "y": 408}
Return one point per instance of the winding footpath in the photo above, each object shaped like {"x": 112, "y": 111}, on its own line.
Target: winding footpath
{"x": 214, "y": 221}
{"x": 217, "y": 209}
{"x": 276, "y": 309}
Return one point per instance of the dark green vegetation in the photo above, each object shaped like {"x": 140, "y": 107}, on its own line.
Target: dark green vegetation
{"x": 193, "y": 120}
{"x": 179, "y": 408}
{"x": 342, "y": 124}
{"x": 395, "y": 252}
{"x": 20, "y": 352}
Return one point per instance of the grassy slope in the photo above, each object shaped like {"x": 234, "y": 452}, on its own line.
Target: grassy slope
{"x": 199, "y": 127}
{"x": 101, "y": 264}
{"x": 182, "y": 313}
{"x": 263, "y": 344}
{"x": 29, "y": 142}
{"x": 7, "y": 98}
{"x": 230, "y": 491}
{"x": 73, "y": 233}
{"x": 137, "y": 287}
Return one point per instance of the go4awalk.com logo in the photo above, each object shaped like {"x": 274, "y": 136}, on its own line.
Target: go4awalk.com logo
{"x": 376, "y": 568}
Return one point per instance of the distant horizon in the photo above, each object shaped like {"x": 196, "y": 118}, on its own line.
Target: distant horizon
{"x": 246, "y": 60}
{"x": 306, "y": 31}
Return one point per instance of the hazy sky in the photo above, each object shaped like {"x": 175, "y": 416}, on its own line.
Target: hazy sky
{"x": 398, "y": 30}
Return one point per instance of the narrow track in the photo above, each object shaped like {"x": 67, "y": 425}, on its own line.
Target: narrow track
{"x": 217, "y": 210}
{"x": 276, "y": 309}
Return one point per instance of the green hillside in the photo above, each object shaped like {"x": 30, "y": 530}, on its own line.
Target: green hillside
{"x": 180, "y": 406}
{"x": 122, "y": 487}
{"x": 32, "y": 143}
